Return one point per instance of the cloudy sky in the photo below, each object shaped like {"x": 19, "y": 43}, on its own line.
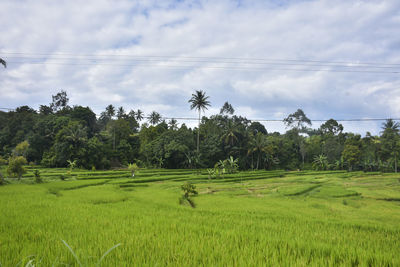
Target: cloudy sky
{"x": 333, "y": 59}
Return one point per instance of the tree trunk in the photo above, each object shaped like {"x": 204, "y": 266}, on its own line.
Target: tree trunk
{"x": 258, "y": 159}
{"x": 198, "y": 135}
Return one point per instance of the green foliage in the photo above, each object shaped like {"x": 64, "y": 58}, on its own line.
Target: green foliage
{"x": 71, "y": 164}
{"x": 189, "y": 190}
{"x": 38, "y": 179}
{"x": 15, "y": 166}
{"x": 21, "y": 149}
{"x": 59, "y": 133}
{"x": 199, "y": 101}
{"x": 3, "y": 161}
{"x": 351, "y": 154}
{"x": 231, "y": 164}
{"x": 133, "y": 168}
{"x": 2, "y": 181}
{"x": 211, "y": 173}
{"x": 320, "y": 163}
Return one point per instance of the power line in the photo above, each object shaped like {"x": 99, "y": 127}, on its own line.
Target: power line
{"x": 210, "y": 67}
{"x": 221, "y": 62}
{"x": 267, "y": 120}
{"x": 199, "y": 57}
{"x": 178, "y": 60}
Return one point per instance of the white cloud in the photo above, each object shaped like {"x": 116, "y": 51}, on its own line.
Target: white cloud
{"x": 351, "y": 31}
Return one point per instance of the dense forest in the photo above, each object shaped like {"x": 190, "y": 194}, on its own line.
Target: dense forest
{"x": 58, "y": 133}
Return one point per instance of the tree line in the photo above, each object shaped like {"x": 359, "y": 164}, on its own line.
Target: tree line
{"x": 58, "y": 133}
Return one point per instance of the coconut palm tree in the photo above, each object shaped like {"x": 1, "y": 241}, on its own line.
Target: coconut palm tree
{"x": 110, "y": 111}
{"x": 199, "y": 101}
{"x": 3, "y": 62}
{"x": 257, "y": 144}
{"x": 154, "y": 118}
{"x": 121, "y": 113}
{"x": 391, "y": 124}
{"x": 173, "y": 124}
{"x": 139, "y": 115}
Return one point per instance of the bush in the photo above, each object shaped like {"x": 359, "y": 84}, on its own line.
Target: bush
{"x": 3, "y": 161}
{"x": 15, "y": 166}
{"x": 2, "y": 181}
{"x": 37, "y": 177}
{"x": 133, "y": 168}
{"x": 189, "y": 190}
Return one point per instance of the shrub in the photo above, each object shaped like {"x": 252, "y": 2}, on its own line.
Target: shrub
{"x": 189, "y": 190}
{"x": 133, "y": 168}
{"x": 2, "y": 181}
{"x": 3, "y": 161}
{"x": 15, "y": 166}
{"x": 37, "y": 177}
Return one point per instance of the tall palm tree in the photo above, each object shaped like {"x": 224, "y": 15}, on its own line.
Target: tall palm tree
{"x": 154, "y": 118}
{"x": 199, "y": 101}
{"x": 391, "y": 124}
{"x": 3, "y": 62}
{"x": 110, "y": 111}
{"x": 121, "y": 113}
{"x": 139, "y": 115}
{"x": 173, "y": 124}
{"x": 258, "y": 143}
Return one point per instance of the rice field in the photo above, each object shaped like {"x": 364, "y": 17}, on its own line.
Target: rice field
{"x": 255, "y": 218}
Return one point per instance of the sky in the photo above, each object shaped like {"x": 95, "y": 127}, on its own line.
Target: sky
{"x": 332, "y": 59}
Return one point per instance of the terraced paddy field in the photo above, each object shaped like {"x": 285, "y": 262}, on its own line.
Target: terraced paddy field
{"x": 260, "y": 218}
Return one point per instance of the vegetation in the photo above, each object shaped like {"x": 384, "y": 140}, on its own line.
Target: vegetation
{"x": 199, "y": 101}
{"x": 189, "y": 190}
{"x": 275, "y": 218}
{"x": 37, "y": 176}
{"x": 58, "y": 134}
{"x": 133, "y": 168}
{"x": 16, "y": 166}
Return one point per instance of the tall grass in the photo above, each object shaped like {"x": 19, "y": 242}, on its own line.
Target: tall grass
{"x": 270, "y": 218}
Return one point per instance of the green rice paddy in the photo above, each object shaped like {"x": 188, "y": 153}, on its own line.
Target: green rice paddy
{"x": 260, "y": 218}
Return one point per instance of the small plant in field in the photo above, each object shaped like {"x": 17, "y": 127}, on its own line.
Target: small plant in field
{"x": 62, "y": 177}
{"x": 38, "y": 179}
{"x": 71, "y": 164}
{"x": 98, "y": 262}
{"x": 133, "y": 168}
{"x": 211, "y": 173}
{"x": 93, "y": 168}
{"x": 189, "y": 190}
{"x": 219, "y": 168}
{"x": 231, "y": 164}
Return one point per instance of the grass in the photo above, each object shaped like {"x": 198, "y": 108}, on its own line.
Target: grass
{"x": 251, "y": 218}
